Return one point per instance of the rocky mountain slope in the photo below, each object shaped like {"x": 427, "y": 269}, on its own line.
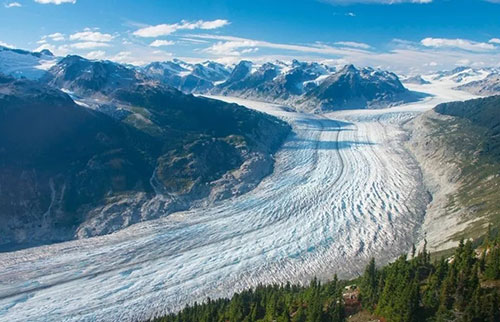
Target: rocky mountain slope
{"x": 457, "y": 145}
{"x": 71, "y": 172}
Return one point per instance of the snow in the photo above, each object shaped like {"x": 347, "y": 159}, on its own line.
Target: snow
{"x": 461, "y": 77}
{"x": 316, "y": 81}
{"x": 24, "y": 64}
{"x": 344, "y": 189}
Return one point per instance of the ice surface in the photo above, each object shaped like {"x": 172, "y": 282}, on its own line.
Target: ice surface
{"x": 344, "y": 189}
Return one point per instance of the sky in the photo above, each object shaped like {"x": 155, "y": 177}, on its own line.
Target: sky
{"x": 407, "y": 36}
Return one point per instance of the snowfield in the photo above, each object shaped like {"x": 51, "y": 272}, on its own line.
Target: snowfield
{"x": 344, "y": 189}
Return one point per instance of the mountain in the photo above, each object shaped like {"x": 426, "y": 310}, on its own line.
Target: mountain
{"x": 463, "y": 74}
{"x": 243, "y": 77}
{"x": 58, "y": 160}
{"x": 490, "y": 85}
{"x": 273, "y": 82}
{"x": 458, "y": 147}
{"x": 21, "y": 63}
{"x": 417, "y": 79}
{"x": 357, "y": 88}
{"x": 447, "y": 73}
{"x": 211, "y": 71}
{"x": 187, "y": 77}
{"x": 87, "y": 77}
{"x": 70, "y": 171}
{"x": 239, "y": 73}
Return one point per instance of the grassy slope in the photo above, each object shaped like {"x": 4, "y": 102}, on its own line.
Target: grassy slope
{"x": 472, "y": 136}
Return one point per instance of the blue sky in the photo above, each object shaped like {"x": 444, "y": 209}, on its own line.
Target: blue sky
{"x": 401, "y": 35}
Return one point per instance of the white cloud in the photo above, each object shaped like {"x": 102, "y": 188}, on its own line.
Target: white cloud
{"x": 250, "y": 50}
{"x": 160, "y": 43}
{"x": 214, "y": 24}
{"x": 463, "y": 62}
{"x": 56, "y": 2}
{"x": 140, "y": 56}
{"x": 89, "y": 35}
{"x": 89, "y": 45}
{"x": 229, "y": 48}
{"x": 167, "y": 29}
{"x": 124, "y": 57}
{"x": 193, "y": 40}
{"x": 494, "y": 41}
{"x": 457, "y": 43}
{"x": 353, "y": 44}
{"x": 98, "y": 54}
{"x": 56, "y": 36}
{"x": 228, "y": 45}
{"x": 13, "y": 5}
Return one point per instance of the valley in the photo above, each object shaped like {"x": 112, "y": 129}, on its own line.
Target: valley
{"x": 344, "y": 189}
{"x": 249, "y": 161}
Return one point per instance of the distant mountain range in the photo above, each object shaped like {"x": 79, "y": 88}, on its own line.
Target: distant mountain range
{"x": 294, "y": 83}
{"x": 308, "y": 86}
{"x": 478, "y": 81}
{"x": 305, "y": 85}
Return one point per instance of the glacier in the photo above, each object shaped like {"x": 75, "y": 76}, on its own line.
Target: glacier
{"x": 344, "y": 189}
